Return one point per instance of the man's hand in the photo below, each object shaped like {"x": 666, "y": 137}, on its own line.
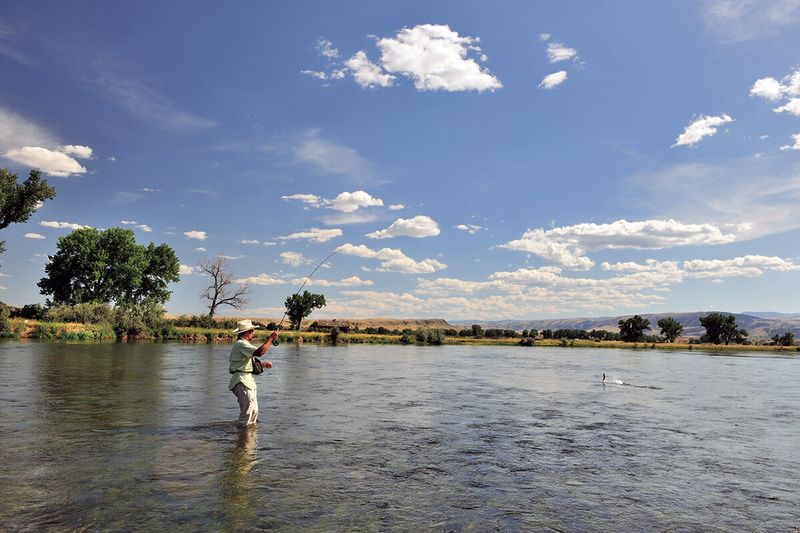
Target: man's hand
{"x": 267, "y": 364}
{"x": 273, "y": 336}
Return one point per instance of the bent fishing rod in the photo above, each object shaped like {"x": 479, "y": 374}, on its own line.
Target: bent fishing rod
{"x": 275, "y": 342}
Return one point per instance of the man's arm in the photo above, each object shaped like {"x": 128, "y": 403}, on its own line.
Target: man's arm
{"x": 261, "y": 350}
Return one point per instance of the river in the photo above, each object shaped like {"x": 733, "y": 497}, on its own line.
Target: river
{"x": 142, "y": 437}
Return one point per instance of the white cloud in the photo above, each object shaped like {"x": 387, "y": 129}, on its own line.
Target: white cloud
{"x": 741, "y": 20}
{"x": 49, "y": 161}
{"x": 185, "y": 270}
{"x": 82, "y": 152}
{"x": 310, "y": 199}
{"x": 314, "y": 234}
{"x": 567, "y": 245}
{"x": 396, "y": 207}
{"x": 436, "y": 58}
{"x": 34, "y": 236}
{"x": 749, "y": 265}
{"x": 420, "y": 226}
{"x": 144, "y": 227}
{"x": 195, "y": 234}
{"x": 333, "y": 158}
{"x": 200, "y": 249}
{"x": 768, "y": 88}
{"x": 17, "y": 131}
{"x": 61, "y": 225}
{"x": 348, "y": 202}
{"x": 795, "y": 146}
{"x": 326, "y": 49}
{"x": 261, "y": 279}
{"x": 233, "y": 257}
{"x": 248, "y": 241}
{"x": 469, "y": 228}
{"x": 352, "y": 281}
{"x": 270, "y": 243}
{"x": 558, "y": 52}
{"x": 348, "y": 218}
{"x": 702, "y": 126}
{"x": 319, "y": 74}
{"x": 392, "y": 260}
{"x": 294, "y": 259}
{"x": 553, "y": 80}
{"x": 792, "y": 107}
{"x": 368, "y": 74}
{"x": 544, "y": 37}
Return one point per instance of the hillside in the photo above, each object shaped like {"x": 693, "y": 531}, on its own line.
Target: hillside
{"x": 758, "y": 327}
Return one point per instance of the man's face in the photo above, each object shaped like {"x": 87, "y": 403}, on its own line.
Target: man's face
{"x": 248, "y": 335}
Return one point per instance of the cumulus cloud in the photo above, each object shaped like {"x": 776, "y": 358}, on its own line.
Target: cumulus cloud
{"x": 436, "y": 58}
{"x": 185, "y": 270}
{"x": 795, "y": 146}
{"x": 558, "y": 52}
{"x": 294, "y": 259}
{"x": 749, "y": 265}
{"x": 352, "y": 281}
{"x": 144, "y": 227}
{"x": 195, "y": 234}
{"x": 61, "y": 225}
{"x": 346, "y": 202}
{"x": 701, "y": 127}
{"x": 792, "y": 107}
{"x": 567, "y": 245}
{"x": 768, "y": 88}
{"x": 420, "y": 226}
{"x": 368, "y": 74}
{"x": 553, "y": 80}
{"x": 310, "y": 199}
{"x": 51, "y": 162}
{"x": 396, "y": 207}
{"x": 314, "y": 234}
{"x": 469, "y": 228}
{"x": 261, "y": 279}
{"x": 392, "y": 260}
{"x": 544, "y": 37}
{"x": 34, "y": 236}
{"x": 82, "y": 152}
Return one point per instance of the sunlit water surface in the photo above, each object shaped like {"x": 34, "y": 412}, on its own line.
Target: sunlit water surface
{"x": 142, "y": 436}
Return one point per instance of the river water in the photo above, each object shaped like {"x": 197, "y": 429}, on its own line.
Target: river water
{"x": 142, "y": 437}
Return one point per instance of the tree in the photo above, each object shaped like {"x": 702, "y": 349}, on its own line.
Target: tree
{"x": 722, "y": 329}
{"x": 787, "y": 339}
{"x": 222, "y": 290}
{"x": 18, "y": 201}
{"x": 104, "y": 266}
{"x": 670, "y": 328}
{"x": 632, "y": 329}
{"x": 299, "y": 306}
{"x": 477, "y": 331}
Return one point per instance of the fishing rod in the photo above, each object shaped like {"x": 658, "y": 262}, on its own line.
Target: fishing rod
{"x": 275, "y": 342}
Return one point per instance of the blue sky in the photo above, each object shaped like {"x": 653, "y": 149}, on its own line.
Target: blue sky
{"x": 467, "y": 160}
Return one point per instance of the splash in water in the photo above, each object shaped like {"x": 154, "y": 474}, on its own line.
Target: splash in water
{"x": 608, "y": 380}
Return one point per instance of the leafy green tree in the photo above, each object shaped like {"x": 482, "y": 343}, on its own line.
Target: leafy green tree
{"x": 18, "y": 201}
{"x": 95, "y": 266}
{"x": 632, "y": 329}
{"x": 670, "y": 328}
{"x": 299, "y": 306}
{"x": 722, "y": 329}
{"x": 477, "y": 330}
{"x": 787, "y": 339}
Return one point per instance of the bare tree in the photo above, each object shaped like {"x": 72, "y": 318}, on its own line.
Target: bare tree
{"x": 222, "y": 290}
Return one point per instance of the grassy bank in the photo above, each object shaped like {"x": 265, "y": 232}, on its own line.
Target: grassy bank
{"x": 32, "y": 329}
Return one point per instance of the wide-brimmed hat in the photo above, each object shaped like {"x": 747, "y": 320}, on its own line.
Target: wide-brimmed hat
{"x": 245, "y": 325}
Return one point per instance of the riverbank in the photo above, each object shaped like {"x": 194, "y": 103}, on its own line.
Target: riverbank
{"x": 58, "y": 331}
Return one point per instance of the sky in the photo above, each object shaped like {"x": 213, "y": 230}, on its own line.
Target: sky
{"x": 465, "y": 160}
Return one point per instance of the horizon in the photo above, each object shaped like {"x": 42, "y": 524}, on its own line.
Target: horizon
{"x": 467, "y": 161}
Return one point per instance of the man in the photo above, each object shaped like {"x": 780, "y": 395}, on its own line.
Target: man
{"x": 242, "y": 383}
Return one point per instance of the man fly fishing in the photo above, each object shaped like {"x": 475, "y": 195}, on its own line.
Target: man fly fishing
{"x": 242, "y": 366}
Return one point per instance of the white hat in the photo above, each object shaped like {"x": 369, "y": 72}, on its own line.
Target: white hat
{"x": 245, "y": 325}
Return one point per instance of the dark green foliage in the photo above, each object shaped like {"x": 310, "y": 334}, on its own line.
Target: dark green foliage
{"x": 83, "y": 313}
{"x": 94, "y": 266}
{"x": 632, "y": 329}
{"x": 603, "y": 335}
{"x": 18, "y": 201}
{"x": 722, "y": 329}
{"x": 428, "y": 336}
{"x": 333, "y": 336}
{"x": 787, "y": 339}
{"x": 29, "y": 312}
{"x": 526, "y": 341}
{"x": 5, "y": 313}
{"x": 670, "y": 328}
{"x": 139, "y": 320}
{"x": 477, "y": 331}
{"x": 299, "y": 306}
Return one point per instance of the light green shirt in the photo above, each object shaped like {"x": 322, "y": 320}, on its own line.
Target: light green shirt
{"x": 242, "y": 359}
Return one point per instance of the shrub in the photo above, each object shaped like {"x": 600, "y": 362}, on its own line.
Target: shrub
{"x": 5, "y": 313}
{"x": 139, "y": 320}
{"x": 333, "y": 336}
{"x": 30, "y": 312}
{"x": 83, "y": 313}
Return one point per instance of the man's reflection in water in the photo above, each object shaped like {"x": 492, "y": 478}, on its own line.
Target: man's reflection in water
{"x": 237, "y": 486}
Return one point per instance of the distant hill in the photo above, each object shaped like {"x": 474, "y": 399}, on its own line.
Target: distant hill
{"x": 771, "y": 314}
{"x": 758, "y": 327}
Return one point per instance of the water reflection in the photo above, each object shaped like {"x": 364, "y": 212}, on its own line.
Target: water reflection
{"x": 239, "y": 506}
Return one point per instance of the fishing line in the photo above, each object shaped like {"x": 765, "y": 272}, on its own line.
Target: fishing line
{"x": 275, "y": 342}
